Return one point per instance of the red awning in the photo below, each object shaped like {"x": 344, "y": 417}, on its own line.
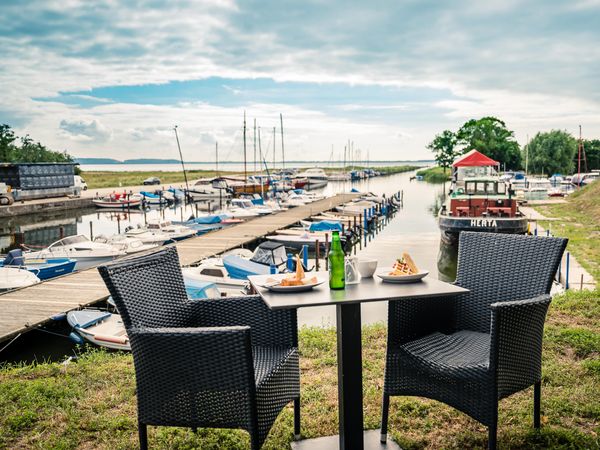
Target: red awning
{"x": 474, "y": 158}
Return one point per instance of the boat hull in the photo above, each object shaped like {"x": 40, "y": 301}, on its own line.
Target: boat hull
{"x": 117, "y": 205}
{"x": 451, "y": 227}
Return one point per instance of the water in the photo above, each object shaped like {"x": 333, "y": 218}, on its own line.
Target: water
{"x": 413, "y": 229}
{"x": 237, "y": 166}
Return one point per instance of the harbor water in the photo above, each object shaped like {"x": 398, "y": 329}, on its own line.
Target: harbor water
{"x": 412, "y": 229}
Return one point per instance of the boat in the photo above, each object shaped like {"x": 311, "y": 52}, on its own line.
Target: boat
{"x": 87, "y": 253}
{"x": 204, "y": 192}
{"x": 147, "y": 236}
{"x": 127, "y": 244}
{"x": 355, "y": 208}
{"x": 119, "y": 201}
{"x": 174, "y": 232}
{"x": 298, "y": 241}
{"x": 315, "y": 178}
{"x": 178, "y": 194}
{"x": 15, "y": 278}
{"x": 479, "y": 201}
{"x": 154, "y": 199}
{"x": 537, "y": 188}
{"x": 266, "y": 254}
{"x": 339, "y": 176}
{"x": 101, "y": 328}
{"x": 214, "y": 272}
{"x": 204, "y": 224}
{"x": 42, "y": 268}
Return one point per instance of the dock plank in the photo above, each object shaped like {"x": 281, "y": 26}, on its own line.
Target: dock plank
{"x": 27, "y": 308}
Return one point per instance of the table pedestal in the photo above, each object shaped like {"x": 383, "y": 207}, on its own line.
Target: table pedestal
{"x": 370, "y": 439}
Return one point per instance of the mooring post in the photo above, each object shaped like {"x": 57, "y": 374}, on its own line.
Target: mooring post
{"x": 317, "y": 255}
{"x": 581, "y": 283}
{"x": 118, "y": 225}
{"x": 61, "y": 232}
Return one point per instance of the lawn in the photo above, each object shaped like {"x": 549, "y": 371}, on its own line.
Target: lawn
{"x": 435, "y": 174}
{"x": 106, "y": 179}
{"x": 90, "y": 403}
{"x": 579, "y": 220}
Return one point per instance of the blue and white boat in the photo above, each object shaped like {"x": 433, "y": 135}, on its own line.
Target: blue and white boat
{"x": 43, "y": 268}
{"x": 178, "y": 194}
{"x": 153, "y": 199}
{"x": 265, "y": 255}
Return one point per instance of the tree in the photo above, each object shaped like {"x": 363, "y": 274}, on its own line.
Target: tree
{"x": 490, "y": 136}
{"x": 28, "y": 150}
{"x": 592, "y": 154}
{"x": 443, "y": 147}
{"x": 551, "y": 152}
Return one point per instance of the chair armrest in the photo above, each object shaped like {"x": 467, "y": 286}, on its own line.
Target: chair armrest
{"x": 267, "y": 327}
{"x": 410, "y": 319}
{"x": 193, "y": 359}
{"x": 517, "y": 330}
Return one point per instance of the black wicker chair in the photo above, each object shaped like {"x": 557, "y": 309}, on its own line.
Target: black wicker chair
{"x": 475, "y": 349}
{"x": 220, "y": 363}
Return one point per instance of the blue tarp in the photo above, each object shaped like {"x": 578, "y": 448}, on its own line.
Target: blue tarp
{"x": 240, "y": 268}
{"x": 197, "y": 289}
{"x": 149, "y": 194}
{"x": 325, "y": 225}
{"x": 354, "y": 190}
{"x": 209, "y": 219}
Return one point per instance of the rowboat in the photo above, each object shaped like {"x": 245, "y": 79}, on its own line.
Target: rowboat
{"x": 119, "y": 201}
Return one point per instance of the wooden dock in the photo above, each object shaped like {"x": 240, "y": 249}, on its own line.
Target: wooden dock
{"x": 24, "y": 309}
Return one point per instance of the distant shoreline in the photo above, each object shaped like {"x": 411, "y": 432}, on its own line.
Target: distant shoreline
{"x": 106, "y": 161}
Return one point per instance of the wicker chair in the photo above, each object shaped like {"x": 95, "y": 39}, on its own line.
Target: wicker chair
{"x": 475, "y": 349}
{"x": 221, "y": 363}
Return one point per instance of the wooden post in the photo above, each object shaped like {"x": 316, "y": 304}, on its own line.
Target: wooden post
{"x": 317, "y": 255}
{"x": 91, "y": 231}
{"x": 118, "y": 225}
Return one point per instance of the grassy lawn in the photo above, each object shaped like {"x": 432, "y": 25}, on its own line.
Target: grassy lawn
{"x": 435, "y": 174}
{"x": 91, "y": 403}
{"x": 579, "y": 220}
{"x": 105, "y": 179}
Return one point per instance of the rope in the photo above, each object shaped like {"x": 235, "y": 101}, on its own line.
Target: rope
{"x": 12, "y": 340}
{"x": 51, "y": 332}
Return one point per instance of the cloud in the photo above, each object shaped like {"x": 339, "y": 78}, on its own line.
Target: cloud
{"x": 85, "y": 131}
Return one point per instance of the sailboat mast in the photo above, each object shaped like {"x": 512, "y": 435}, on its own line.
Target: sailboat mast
{"x": 181, "y": 159}
{"x": 245, "y": 167}
{"x": 262, "y": 191}
{"x": 255, "y": 147}
{"x": 217, "y": 158}
{"x": 274, "y": 152}
{"x": 282, "y": 149}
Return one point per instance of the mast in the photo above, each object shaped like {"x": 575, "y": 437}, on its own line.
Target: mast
{"x": 254, "y": 146}
{"x": 274, "y": 153}
{"x": 217, "y": 158}
{"x": 181, "y": 159}
{"x": 262, "y": 191}
{"x": 526, "y": 155}
{"x": 245, "y": 168}
{"x": 282, "y": 149}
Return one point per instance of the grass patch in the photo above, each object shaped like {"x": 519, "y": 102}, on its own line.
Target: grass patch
{"x": 91, "y": 403}
{"x": 106, "y": 179}
{"x": 435, "y": 174}
{"x": 579, "y": 220}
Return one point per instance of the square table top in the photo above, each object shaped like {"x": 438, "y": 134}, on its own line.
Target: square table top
{"x": 368, "y": 290}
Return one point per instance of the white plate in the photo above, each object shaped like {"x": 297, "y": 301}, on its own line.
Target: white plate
{"x": 383, "y": 274}
{"x": 302, "y": 288}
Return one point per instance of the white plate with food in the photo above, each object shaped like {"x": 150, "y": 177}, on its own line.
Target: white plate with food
{"x": 292, "y": 282}
{"x": 404, "y": 270}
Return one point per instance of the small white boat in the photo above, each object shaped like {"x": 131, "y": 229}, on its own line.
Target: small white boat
{"x": 297, "y": 241}
{"x": 203, "y": 192}
{"x": 99, "y": 327}
{"x": 15, "y": 278}
{"x": 126, "y": 244}
{"x": 355, "y": 208}
{"x": 214, "y": 273}
{"x": 175, "y": 232}
{"x": 87, "y": 253}
{"x": 147, "y": 236}
{"x": 119, "y": 201}
{"x": 315, "y": 177}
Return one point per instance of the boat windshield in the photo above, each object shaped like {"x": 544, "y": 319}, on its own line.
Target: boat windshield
{"x": 71, "y": 240}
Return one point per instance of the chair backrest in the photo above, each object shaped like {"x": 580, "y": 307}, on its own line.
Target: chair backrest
{"x": 502, "y": 267}
{"x": 148, "y": 290}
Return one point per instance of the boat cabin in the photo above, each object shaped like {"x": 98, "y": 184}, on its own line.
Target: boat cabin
{"x": 483, "y": 197}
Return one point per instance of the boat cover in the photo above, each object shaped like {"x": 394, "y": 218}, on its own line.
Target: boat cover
{"x": 240, "y": 268}
{"x": 14, "y": 258}
{"x": 216, "y": 218}
{"x": 197, "y": 289}
{"x": 269, "y": 253}
{"x": 149, "y": 194}
{"x": 325, "y": 225}
{"x": 86, "y": 317}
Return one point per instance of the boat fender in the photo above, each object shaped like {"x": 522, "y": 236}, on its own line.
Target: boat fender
{"x": 60, "y": 316}
{"x": 115, "y": 339}
{"x": 76, "y": 338}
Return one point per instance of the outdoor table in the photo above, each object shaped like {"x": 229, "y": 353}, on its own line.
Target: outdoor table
{"x": 349, "y": 351}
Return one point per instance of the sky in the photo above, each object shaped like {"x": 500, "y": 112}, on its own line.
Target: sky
{"x": 112, "y": 78}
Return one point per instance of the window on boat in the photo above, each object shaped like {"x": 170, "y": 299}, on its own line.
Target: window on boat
{"x": 501, "y": 188}
{"x": 211, "y": 272}
{"x": 480, "y": 187}
{"x": 470, "y": 188}
{"x": 153, "y": 226}
{"x": 73, "y": 240}
{"x": 491, "y": 187}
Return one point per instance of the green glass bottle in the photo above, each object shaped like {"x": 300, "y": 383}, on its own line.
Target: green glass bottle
{"x": 336, "y": 263}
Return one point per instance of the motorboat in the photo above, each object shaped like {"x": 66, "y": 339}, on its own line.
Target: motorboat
{"x": 248, "y": 204}
{"x": 127, "y": 244}
{"x": 339, "y": 176}
{"x": 87, "y": 253}
{"x": 315, "y": 178}
{"x": 214, "y": 272}
{"x": 118, "y": 201}
{"x": 298, "y": 241}
{"x": 98, "y": 327}
{"x": 355, "y": 208}
{"x": 204, "y": 192}
{"x": 175, "y": 232}
{"x": 537, "y": 188}
{"x": 178, "y": 194}
{"x": 151, "y": 198}
{"x": 265, "y": 255}
{"x": 42, "y": 268}
{"x": 211, "y": 222}
{"x": 147, "y": 236}
{"x": 15, "y": 278}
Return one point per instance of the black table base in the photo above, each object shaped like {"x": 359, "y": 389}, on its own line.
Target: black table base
{"x": 370, "y": 439}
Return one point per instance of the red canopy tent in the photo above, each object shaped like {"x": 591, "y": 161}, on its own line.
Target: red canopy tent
{"x": 474, "y": 158}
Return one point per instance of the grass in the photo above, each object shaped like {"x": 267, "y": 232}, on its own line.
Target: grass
{"x": 579, "y": 220}
{"x": 91, "y": 403}
{"x": 435, "y": 174}
{"x": 107, "y": 179}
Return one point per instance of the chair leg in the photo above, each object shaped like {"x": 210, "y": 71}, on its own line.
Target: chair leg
{"x": 537, "y": 393}
{"x": 492, "y": 436}
{"x": 254, "y": 441}
{"x": 143, "y": 433}
{"x": 297, "y": 418}
{"x": 385, "y": 408}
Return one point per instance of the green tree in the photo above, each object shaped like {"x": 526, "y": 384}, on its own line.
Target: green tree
{"x": 25, "y": 149}
{"x": 592, "y": 154}
{"x": 551, "y": 152}
{"x": 490, "y": 136}
{"x": 7, "y": 146}
{"x": 443, "y": 147}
